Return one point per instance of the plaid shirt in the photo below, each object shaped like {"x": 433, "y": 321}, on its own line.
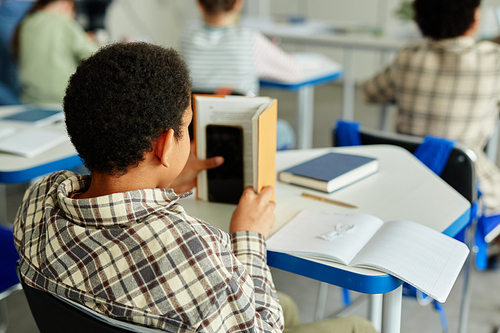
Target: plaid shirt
{"x": 448, "y": 88}
{"x": 138, "y": 257}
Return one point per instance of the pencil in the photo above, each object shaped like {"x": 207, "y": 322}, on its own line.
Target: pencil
{"x": 335, "y": 202}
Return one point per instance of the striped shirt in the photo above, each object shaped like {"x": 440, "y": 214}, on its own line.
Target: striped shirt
{"x": 139, "y": 257}
{"x": 448, "y": 88}
{"x": 234, "y": 57}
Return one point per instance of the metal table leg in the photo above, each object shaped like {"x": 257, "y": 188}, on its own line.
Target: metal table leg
{"x": 375, "y": 306}
{"x": 305, "y": 117}
{"x": 391, "y": 313}
{"x": 349, "y": 88}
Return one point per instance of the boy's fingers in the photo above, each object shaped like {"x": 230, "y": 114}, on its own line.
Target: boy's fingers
{"x": 272, "y": 204}
{"x": 267, "y": 192}
{"x": 209, "y": 163}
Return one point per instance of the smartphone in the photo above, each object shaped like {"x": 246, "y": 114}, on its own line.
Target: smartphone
{"x": 225, "y": 183}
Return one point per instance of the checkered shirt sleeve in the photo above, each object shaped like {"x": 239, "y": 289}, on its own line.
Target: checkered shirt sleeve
{"x": 138, "y": 257}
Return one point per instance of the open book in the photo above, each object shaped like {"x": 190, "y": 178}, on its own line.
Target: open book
{"x": 243, "y": 131}
{"x": 424, "y": 258}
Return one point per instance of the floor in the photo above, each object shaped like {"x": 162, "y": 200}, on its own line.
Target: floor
{"x": 484, "y": 314}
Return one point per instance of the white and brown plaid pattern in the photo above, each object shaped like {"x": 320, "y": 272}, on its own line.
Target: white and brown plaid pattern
{"x": 448, "y": 88}
{"x": 138, "y": 257}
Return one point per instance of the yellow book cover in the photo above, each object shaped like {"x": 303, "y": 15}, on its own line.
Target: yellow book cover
{"x": 266, "y": 153}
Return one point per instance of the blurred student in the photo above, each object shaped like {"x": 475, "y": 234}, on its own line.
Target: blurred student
{"x": 223, "y": 54}
{"x": 49, "y": 44}
{"x": 448, "y": 85}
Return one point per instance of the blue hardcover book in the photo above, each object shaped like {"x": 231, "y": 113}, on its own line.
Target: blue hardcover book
{"x": 330, "y": 172}
{"x": 35, "y": 116}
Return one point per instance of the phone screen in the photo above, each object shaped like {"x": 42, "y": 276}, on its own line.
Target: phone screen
{"x": 225, "y": 183}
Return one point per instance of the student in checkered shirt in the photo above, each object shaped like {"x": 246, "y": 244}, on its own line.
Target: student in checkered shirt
{"x": 448, "y": 85}
{"x": 119, "y": 242}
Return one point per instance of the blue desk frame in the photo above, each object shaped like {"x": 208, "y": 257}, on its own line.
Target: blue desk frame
{"x": 22, "y": 176}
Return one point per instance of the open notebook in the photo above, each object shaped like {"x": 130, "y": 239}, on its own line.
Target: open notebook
{"x": 423, "y": 257}
{"x": 29, "y": 142}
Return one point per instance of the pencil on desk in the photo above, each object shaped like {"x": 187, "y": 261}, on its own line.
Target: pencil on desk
{"x": 335, "y": 202}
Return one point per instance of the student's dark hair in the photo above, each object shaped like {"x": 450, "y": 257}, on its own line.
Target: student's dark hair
{"x": 121, "y": 99}
{"x": 37, "y": 6}
{"x": 217, "y": 6}
{"x": 441, "y": 19}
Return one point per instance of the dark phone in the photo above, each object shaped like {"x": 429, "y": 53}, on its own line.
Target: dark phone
{"x": 225, "y": 183}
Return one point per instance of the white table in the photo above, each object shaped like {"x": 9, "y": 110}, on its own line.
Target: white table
{"x": 323, "y": 34}
{"x": 316, "y": 69}
{"x": 16, "y": 169}
{"x": 403, "y": 189}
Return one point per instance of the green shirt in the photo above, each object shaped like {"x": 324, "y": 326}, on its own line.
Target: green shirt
{"x": 50, "y": 48}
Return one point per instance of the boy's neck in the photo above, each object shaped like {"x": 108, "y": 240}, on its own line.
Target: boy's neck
{"x": 140, "y": 177}
{"x": 221, "y": 20}
{"x": 102, "y": 184}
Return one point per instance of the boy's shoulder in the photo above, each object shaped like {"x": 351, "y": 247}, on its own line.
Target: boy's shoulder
{"x": 452, "y": 44}
{"x": 199, "y": 28}
{"x": 48, "y": 184}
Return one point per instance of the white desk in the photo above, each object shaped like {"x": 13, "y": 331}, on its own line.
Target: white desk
{"x": 17, "y": 169}
{"x": 322, "y": 34}
{"x": 403, "y": 189}
{"x": 316, "y": 69}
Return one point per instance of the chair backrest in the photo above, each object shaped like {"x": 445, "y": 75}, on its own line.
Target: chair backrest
{"x": 54, "y": 315}
{"x": 459, "y": 171}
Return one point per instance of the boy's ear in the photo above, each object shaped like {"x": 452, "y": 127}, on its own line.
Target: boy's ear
{"x": 238, "y": 5}
{"x": 202, "y": 8}
{"x": 164, "y": 145}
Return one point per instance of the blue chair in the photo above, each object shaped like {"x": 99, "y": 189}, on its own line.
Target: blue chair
{"x": 451, "y": 162}
{"x": 9, "y": 283}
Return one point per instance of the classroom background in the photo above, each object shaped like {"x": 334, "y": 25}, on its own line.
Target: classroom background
{"x": 163, "y": 21}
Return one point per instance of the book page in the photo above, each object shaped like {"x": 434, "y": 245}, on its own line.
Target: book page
{"x": 416, "y": 254}
{"x": 325, "y": 234}
{"x": 227, "y": 110}
{"x": 315, "y": 65}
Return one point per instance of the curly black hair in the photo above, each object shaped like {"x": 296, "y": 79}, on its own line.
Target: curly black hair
{"x": 121, "y": 99}
{"x": 217, "y": 6}
{"x": 441, "y": 19}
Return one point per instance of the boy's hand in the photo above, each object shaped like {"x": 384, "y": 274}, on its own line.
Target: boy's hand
{"x": 186, "y": 180}
{"x": 254, "y": 212}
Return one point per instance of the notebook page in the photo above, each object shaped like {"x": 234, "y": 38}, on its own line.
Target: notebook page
{"x": 416, "y": 254}
{"x": 302, "y": 235}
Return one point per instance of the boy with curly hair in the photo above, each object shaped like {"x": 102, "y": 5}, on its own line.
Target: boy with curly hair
{"x": 448, "y": 85}
{"x": 118, "y": 240}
